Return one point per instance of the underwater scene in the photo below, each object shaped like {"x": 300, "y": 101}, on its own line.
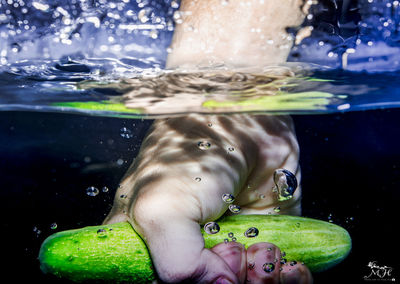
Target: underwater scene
{"x": 86, "y": 89}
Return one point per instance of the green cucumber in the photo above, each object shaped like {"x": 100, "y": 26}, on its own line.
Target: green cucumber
{"x": 116, "y": 252}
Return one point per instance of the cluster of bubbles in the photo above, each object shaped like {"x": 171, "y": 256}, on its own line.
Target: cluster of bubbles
{"x": 269, "y": 267}
{"x": 230, "y": 236}
{"x": 143, "y": 29}
{"x": 37, "y": 231}
{"x": 347, "y": 221}
{"x": 212, "y": 228}
{"x": 96, "y": 28}
{"x": 285, "y": 184}
{"x": 94, "y": 191}
{"x": 126, "y": 133}
{"x": 354, "y": 35}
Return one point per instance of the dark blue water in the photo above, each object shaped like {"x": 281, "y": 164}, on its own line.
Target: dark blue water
{"x": 350, "y": 164}
{"x": 350, "y": 157}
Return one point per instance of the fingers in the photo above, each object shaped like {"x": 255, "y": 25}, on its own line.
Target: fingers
{"x": 234, "y": 254}
{"x": 178, "y": 258}
{"x": 176, "y": 244}
{"x": 295, "y": 272}
{"x": 263, "y": 263}
{"x": 264, "y": 266}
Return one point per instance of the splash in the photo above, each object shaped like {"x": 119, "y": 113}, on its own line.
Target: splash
{"x": 354, "y": 35}
{"x": 43, "y": 29}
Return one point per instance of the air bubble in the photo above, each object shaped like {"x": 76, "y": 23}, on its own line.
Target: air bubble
{"x": 144, "y": 15}
{"x": 226, "y": 241}
{"x": 92, "y": 191}
{"x": 285, "y": 184}
{"x": 177, "y": 16}
{"x": 234, "y": 239}
{"x": 153, "y": 34}
{"x": 204, "y": 145}
{"x": 211, "y": 228}
{"x": 104, "y": 189}
{"x": 15, "y": 47}
{"x": 228, "y": 198}
{"x": 251, "y": 232}
{"x": 101, "y": 233}
{"x": 37, "y": 231}
{"x": 230, "y": 235}
{"x": 231, "y": 149}
{"x": 234, "y": 208}
{"x": 198, "y": 179}
{"x": 277, "y": 209}
{"x": 268, "y": 267}
{"x": 174, "y": 4}
{"x": 53, "y": 226}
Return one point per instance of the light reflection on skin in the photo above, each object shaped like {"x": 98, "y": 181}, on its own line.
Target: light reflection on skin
{"x": 162, "y": 199}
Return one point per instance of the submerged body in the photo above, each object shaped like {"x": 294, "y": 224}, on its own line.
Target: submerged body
{"x": 186, "y": 165}
{"x": 180, "y": 176}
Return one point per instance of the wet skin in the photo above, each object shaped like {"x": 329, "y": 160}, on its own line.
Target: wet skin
{"x": 163, "y": 200}
{"x": 162, "y": 196}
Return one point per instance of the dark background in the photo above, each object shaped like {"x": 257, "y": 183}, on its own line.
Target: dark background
{"x": 350, "y": 164}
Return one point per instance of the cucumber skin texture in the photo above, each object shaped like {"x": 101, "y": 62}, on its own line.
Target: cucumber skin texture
{"x": 120, "y": 255}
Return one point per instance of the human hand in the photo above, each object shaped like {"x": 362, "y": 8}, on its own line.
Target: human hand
{"x": 261, "y": 263}
{"x": 184, "y": 167}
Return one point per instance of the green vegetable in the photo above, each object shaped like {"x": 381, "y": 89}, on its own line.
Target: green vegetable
{"x": 281, "y": 101}
{"x": 116, "y": 253}
{"x": 102, "y": 106}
